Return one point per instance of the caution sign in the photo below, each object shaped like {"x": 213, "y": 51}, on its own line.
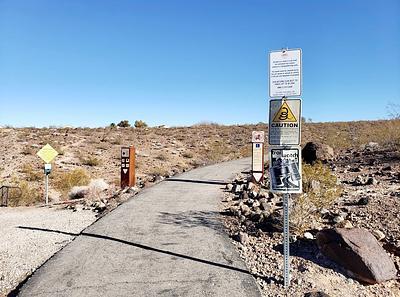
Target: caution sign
{"x": 285, "y": 170}
{"x": 284, "y": 122}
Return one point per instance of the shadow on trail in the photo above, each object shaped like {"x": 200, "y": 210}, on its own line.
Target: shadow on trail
{"x": 145, "y": 247}
{"x": 210, "y": 182}
{"x": 192, "y": 219}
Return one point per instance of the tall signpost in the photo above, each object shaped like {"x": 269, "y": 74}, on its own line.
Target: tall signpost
{"x": 285, "y": 80}
{"x": 128, "y": 178}
{"x": 257, "y": 164}
{"x": 47, "y": 154}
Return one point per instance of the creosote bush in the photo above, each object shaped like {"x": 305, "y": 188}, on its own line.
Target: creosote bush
{"x": 320, "y": 190}
{"x": 65, "y": 181}
{"x": 140, "y": 124}
{"x": 124, "y": 124}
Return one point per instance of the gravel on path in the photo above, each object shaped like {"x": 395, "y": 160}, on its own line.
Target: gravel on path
{"x": 23, "y": 250}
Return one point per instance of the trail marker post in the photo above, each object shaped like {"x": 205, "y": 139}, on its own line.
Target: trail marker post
{"x": 47, "y": 154}
{"x": 128, "y": 178}
{"x": 284, "y": 137}
{"x": 257, "y": 164}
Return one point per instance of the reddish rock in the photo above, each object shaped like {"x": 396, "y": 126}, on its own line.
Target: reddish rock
{"x": 358, "y": 251}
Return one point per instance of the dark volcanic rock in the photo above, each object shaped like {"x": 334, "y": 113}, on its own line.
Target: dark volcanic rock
{"x": 313, "y": 152}
{"x": 358, "y": 252}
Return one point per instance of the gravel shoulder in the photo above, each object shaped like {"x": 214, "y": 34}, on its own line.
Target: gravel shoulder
{"x": 22, "y": 251}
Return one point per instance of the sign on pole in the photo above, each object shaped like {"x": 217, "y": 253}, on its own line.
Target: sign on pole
{"x": 285, "y": 73}
{"x": 285, "y": 80}
{"x": 285, "y": 169}
{"x": 257, "y": 168}
{"x": 47, "y": 154}
{"x": 128, "y": 178}
{"x": 284, "y": 122}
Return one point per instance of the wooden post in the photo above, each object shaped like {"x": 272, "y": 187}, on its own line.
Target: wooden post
{"x": 128, "y": 177}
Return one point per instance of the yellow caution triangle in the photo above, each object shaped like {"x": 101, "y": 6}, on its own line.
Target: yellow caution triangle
{"x": 284, "y": 114}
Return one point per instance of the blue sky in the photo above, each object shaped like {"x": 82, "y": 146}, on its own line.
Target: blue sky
{"x": 90, "y": 63}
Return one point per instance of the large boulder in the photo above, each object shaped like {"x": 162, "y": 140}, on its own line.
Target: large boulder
{"x": 358, "y": 252}
{"x": 313, "y": 152}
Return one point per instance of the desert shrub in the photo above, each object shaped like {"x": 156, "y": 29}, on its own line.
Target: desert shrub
{"x": 31, "y": 173}
{"x": 112, "y": 125}
{"x": 27, "y": 195}
{"x": 124, "y": 124}
{"x": 140, "y": 124}
{"x": 89, "y": 160}
{"x": 187, "y": 155}
{"x": 28, "y": 150}
{"x": 162, "y": 157}
{"x": 158, "y": 171}
{"x": 320, "y": 190}
{"x": 65, "y": 181}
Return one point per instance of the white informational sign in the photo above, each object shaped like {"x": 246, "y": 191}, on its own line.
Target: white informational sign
{"x": 285, "y": 169}
{"x": 258, "y": 161}
{"x": 284, "y": 122}
{"x": 257, "y": 136}
{"x": 285, "y": 73}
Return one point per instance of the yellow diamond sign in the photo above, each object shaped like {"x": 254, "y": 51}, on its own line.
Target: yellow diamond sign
{"x": 47, "y": 153}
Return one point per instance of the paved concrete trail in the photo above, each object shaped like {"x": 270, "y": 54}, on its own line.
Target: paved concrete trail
{"x": 167, "y": 241}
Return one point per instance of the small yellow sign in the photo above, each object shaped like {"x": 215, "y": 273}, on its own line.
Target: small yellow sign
{"x": 47, "y": 153}
{"x": 284, "y": 114}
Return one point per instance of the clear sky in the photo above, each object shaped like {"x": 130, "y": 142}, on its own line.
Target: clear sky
{"x": 90, "y": 63}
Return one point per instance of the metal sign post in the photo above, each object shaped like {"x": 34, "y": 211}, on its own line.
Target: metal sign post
{"x": 47, "y": 154}
{"x": 47, "y": 170}
{"x": 285, "y": 80}
{"x": 286, "y": 251}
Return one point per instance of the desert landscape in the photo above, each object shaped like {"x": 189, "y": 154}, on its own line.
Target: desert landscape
{"x": 362, "y": 157}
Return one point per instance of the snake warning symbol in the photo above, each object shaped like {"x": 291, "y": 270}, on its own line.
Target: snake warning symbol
{"x": 284, "y": 114}
{"x": 284, "y": 122}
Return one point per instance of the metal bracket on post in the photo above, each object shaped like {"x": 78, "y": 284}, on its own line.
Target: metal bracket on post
{"x": 286, "y": 252}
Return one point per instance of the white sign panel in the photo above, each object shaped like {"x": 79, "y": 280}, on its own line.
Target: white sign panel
{"x": 257, "y": 136}
{"x": 258, "y": 161}
{"x": 284, "y": 122}
{"x": 285, "y": 73}
{"x": 285, "y": 170}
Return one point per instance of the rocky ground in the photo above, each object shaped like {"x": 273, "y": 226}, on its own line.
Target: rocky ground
{"x": 370, "y": 179}
{"x": 370, "y": 198}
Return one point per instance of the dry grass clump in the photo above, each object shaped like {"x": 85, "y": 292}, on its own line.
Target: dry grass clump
{"x": 27, "y": 195}
{"x": 89, "y": 160}
{"x": 162, "y": 157}
{"x": 32, "y": 174}
{"x": 320, "y": 190}
{"x": 158, "y": 171}
{"x": 187, "y": 155}
{"x": 65, "y": 181}
{"x": 28, "y": 150}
